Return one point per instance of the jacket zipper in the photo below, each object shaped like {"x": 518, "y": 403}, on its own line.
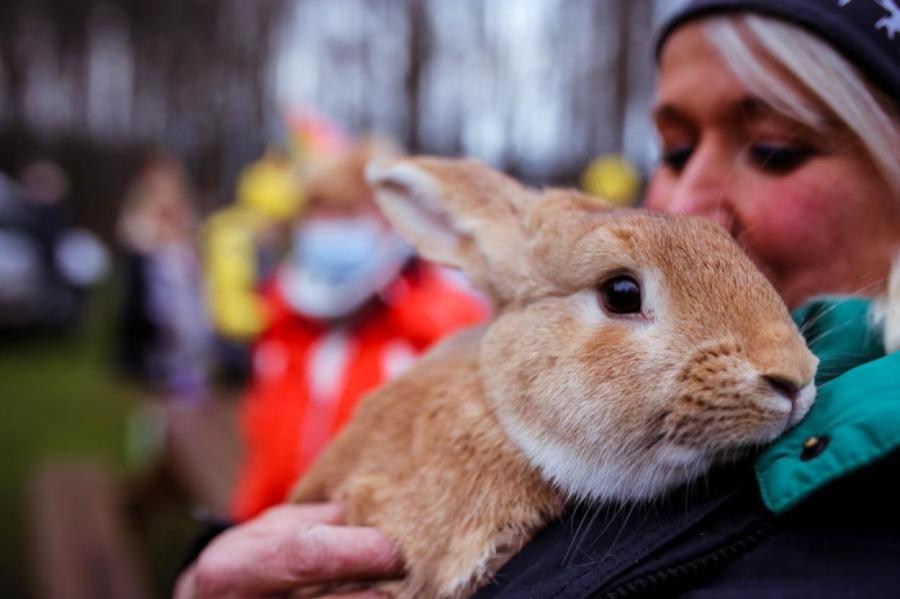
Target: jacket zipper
{"x": 639, "y": 587}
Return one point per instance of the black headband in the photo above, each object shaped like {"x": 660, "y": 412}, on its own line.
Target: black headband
{"x": 866, "y": 32}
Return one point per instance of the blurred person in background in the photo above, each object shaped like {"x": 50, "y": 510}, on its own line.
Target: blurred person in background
{"x": 778, "y": 119}
{"x": 47, "y": 266}
{"x": 242, "y": 244}
{"x": 347, "y": 309}
{"x": 244, "y": 241}
{"x": 163, "y": 332}
{"x": 47, "y": 186}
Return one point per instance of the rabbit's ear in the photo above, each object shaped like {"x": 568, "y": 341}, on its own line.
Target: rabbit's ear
{"x": 459, "y": 213}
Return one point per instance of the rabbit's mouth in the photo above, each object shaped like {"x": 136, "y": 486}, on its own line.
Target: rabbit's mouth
{"x": 787, "y": 409}
{"x": 801, "y": 405}
{"x": 732, "y": 430}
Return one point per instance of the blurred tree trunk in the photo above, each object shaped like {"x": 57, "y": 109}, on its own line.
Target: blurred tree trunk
{"x": 537, "y": 87}
{"x": 188, "y": 75}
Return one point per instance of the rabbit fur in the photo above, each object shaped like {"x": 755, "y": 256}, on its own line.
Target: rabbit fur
{"x": 470, "y": 452}
{"x": 885, "y": 313}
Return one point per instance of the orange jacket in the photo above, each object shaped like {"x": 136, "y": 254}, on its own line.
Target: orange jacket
{"x": 307, "y": 379}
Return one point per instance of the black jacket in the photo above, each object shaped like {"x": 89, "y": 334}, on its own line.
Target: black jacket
{"x": 718, "y": 540}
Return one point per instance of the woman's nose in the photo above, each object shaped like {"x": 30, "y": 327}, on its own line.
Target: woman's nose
{"x": 703, "y": 187}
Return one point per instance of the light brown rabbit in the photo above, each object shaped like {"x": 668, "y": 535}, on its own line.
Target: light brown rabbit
{"x": 630, "y": 351}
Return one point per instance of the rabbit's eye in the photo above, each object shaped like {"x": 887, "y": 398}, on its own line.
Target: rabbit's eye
{"x": 621, "y": 295}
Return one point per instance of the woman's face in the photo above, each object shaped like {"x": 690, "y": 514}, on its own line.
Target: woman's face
{"x": 809, "y": 208}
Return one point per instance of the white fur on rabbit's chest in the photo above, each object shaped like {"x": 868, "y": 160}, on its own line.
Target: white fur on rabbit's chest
{"x": 607, "y": 475}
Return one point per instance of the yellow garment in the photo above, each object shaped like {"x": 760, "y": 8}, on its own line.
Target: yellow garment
{"x": 269, "y": 186}
{"x": 267, "y": 193}
{"x": 230, "y": 255}
{"x": 612, "y": 178}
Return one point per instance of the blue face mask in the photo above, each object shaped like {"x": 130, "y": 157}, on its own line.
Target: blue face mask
{"x": 337, "y": 249}
{"x": 336, "y": 265}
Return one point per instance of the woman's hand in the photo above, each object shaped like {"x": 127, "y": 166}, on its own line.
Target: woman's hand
{"x": 287, "y": 548}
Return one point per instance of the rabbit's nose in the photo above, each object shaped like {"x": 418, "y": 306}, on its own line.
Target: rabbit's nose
{"x": 783, "y": 386}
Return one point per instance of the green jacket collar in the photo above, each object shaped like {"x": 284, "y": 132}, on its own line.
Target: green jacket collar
{"x": 856, "y": 416}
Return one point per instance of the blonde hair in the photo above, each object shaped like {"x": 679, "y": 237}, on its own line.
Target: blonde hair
{"x": 837, "y": 84}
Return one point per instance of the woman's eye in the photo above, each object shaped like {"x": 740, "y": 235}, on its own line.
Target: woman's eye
{"x": 778, "y": 159}
{"x": 621, "y": 295}
{"x": 676, "y": 158}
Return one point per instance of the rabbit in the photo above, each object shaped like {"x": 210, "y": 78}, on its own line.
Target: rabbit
{"x": 629, "y": 352}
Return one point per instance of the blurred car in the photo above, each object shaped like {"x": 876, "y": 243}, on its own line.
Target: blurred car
{"x": 45, "y": 267}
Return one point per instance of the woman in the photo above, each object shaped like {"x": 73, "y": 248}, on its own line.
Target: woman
{"x": 779, "y": 119}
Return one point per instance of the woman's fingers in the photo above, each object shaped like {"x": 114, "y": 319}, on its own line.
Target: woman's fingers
{"x": 322, "y": 553}
{"x": 286, "y": 548}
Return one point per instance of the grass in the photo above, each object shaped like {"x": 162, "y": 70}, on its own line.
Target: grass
{"x": 60, "y": 400}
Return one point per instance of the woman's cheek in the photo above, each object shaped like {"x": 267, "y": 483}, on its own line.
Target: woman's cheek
{"x": 784, "y": 223}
